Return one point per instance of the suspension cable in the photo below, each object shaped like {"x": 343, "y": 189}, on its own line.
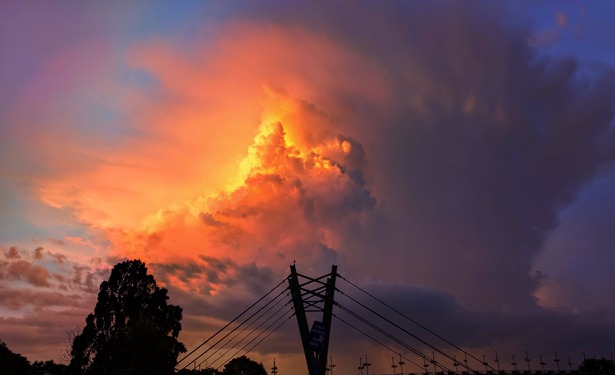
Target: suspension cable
{"x": 249, "y": 334}
{"x": 418, "y": 324}
{"x": 376, "y": 340}
{"x": 257, "y": 336}
{"x": 229, "y": 323}
{"x": 390, "y": 336}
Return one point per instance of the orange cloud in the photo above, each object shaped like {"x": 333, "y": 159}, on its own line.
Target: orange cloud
{"x": 226, "y": 154}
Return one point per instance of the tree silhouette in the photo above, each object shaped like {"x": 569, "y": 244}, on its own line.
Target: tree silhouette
{"x": 244, "y": 366}
{"x": 593, "y": 366}
{"x": 132, "y": 330}
{"x": 49, "y": 367}
{"x": 13, "y": 363}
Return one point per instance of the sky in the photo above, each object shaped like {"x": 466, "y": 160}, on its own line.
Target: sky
{"x": 454, "y": 158}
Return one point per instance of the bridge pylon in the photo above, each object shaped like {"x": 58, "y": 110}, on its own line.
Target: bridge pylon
{"x": 313, "y": 295}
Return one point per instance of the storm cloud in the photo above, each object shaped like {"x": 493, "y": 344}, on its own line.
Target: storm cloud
{"x": 434, "y": 150}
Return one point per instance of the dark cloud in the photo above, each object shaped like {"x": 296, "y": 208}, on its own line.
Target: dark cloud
{"x": 12, "y": 253}
{"x": 435, "y": 146}
{"x": 38, "y": 253}
{"x": 44, "y": 333}
{"x": 58, "y": 258}
{"x": 214, "y": 276}
{"x": 209, "y": 219}
{"x": 56, "y": 241}
{"x": 26, "y": 271}
{"x": 18, "y": 298}
{"x": 477, "y": 331}
{"x": 477, "y": 147}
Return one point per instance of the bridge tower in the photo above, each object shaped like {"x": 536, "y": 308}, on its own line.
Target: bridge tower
{"x": 313, "y": 295}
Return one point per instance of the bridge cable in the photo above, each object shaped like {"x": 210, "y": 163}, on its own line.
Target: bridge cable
{"x": 415, "y": 322}
{"x": 399, "y": 327}
{"x": 390, "y": 336}
{"x": 260, "y": 334}
{"x": 234, "y": 329}
{"x": 376, "y": 340}
{"x": 249, "y": 334}
{"x": 232, "y": 321}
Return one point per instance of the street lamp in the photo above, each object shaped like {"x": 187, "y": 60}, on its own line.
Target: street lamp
{"x": 367, "y": 364}
{"x": 542, "y": 363}
{"x": 433, "y": 361}
{"x": 274, "y": 369}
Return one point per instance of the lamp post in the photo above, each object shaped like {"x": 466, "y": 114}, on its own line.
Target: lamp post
{"x": 556, "y": 360}
{"x": 456, "y": 364}
{"x": 569, "y": 362}
{"x": 514, "y": 364}
{"x": 274, "y": 369}
{"x": 465, "y": 360}
{"x": 485, "y": 363}
{"x": 361, "y": 367}
{"x": 497, "y": 360}
{"x": 401, "y": 364}
{"x": 542, "y": 363}
{"x": 367, "y": 364}
{"x": 527, "y": 359}
{"x": 393, "y": 365}
{"x": 434, "y": 362}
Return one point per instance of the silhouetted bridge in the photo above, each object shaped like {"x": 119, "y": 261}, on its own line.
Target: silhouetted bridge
{"x": 428, "y": 354}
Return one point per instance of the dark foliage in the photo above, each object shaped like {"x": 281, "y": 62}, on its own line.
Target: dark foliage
{"x": 206, "y": 371}
{"x": 13, "y": 363}
{"x": 49, "y": 367}
{"x": 595, "y": 366}
{"x": 244, "y": 366}
{"x": 132, "y": 330}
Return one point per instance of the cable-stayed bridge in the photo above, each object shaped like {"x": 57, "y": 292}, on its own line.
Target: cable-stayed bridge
{"x": 414, "y": 348}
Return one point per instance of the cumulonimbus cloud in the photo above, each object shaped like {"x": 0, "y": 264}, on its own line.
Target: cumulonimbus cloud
{"x": 409, "y": 153}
